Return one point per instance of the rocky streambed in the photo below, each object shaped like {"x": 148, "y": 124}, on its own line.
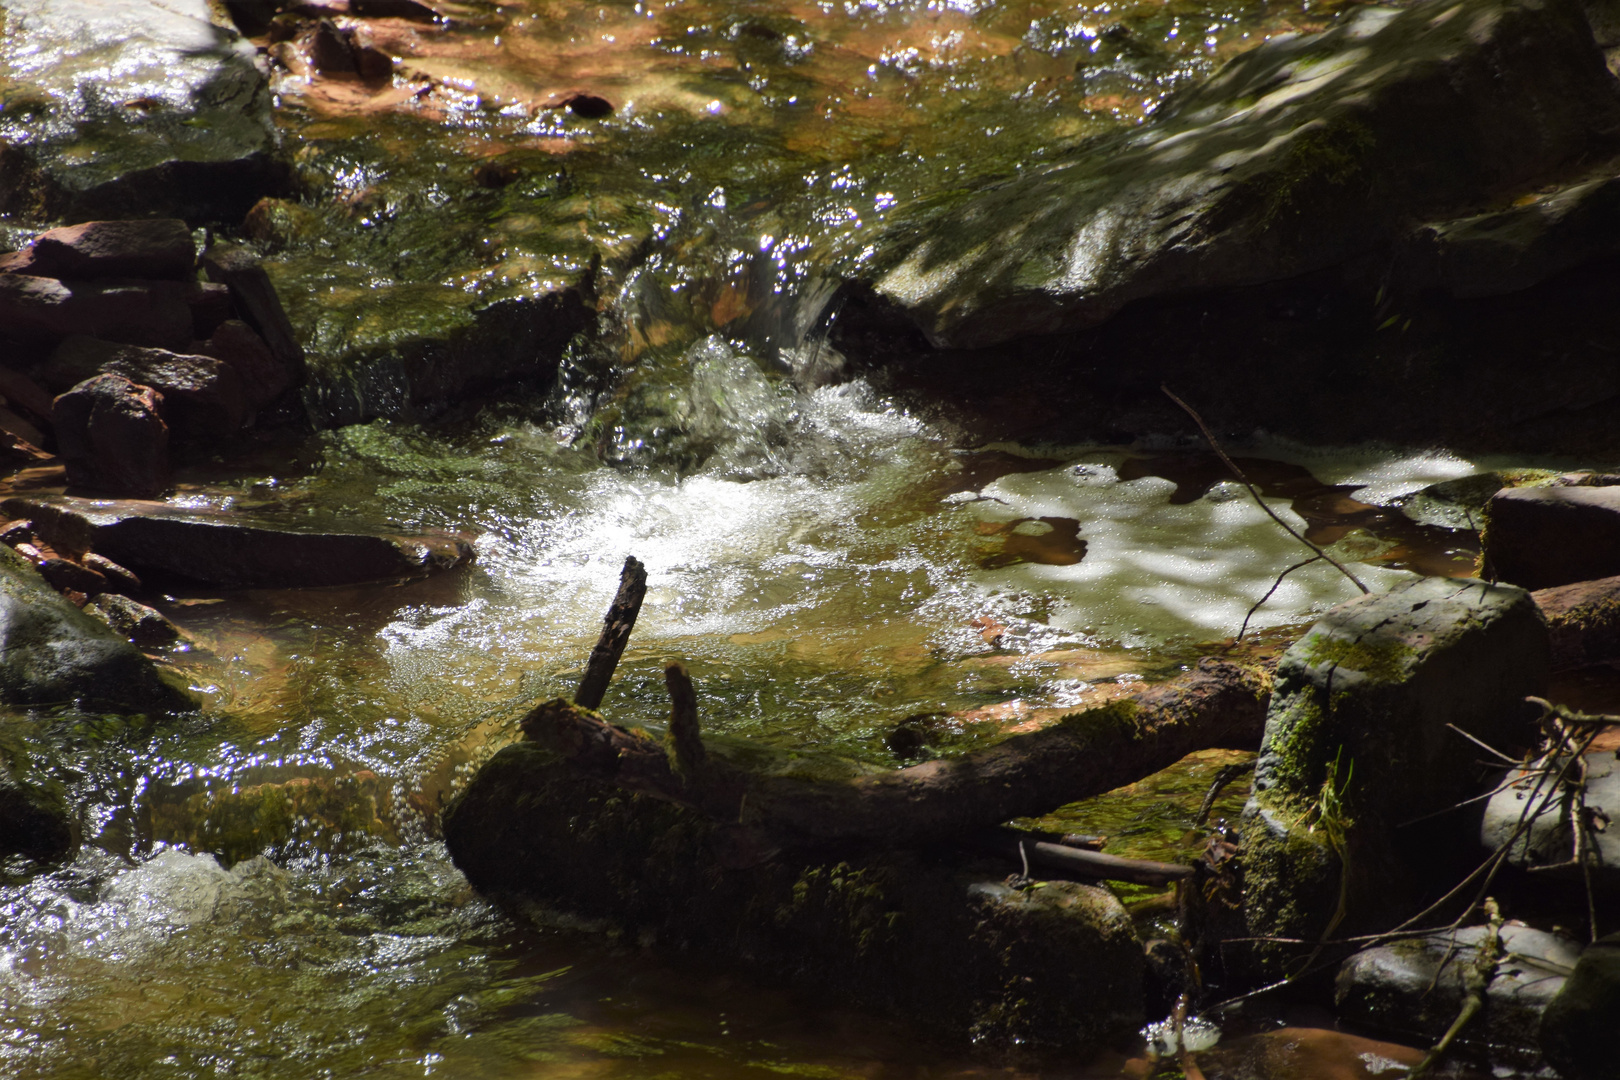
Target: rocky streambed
{"x": 347, "y": 348}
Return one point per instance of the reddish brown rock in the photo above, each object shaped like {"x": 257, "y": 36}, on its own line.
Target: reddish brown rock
{"x": 154, "y": 248}
{"x": 394, "y": 9}
{"x": 1540, "y": 538}
{"x": 68, "y": 576}
{"x": 330, "y": 50}
{"x": 203, "y": 398}
{"x": 12, "y": 424}
{"x": 220, "y": 548}
{"x": 1583, "y": 621}
{"x": 17, "y": 532}
{"x": 111, "y": 435}
{"x": 256, "y": 302}
{"x": 42, "y": 310}
{"x": 264, "y": 378}
{"x": 19, "y": 389}
{"x": 119, "y": 580}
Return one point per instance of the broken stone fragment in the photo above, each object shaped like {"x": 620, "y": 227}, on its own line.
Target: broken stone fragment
{"x": 111, "y": 436}
{"x": 222, "y": 548}
{"x": 119, "y": 580}
{"x": 256, "y": 302}
{"x": 1542, "y": 537}
{"x": 153, "y": 248}
{"x": 1583, "y": 621}
{"x": 145, "y": 627}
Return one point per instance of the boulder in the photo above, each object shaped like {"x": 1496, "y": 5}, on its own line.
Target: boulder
{"x": 1414, "y": 988}
{"x": 221, "y": 548}
{"x": 140, "y": 625}
{"x": 937, "y": 941}
{"x": 133, "y": 109}
{"x": 1357, "y": 743}
{"x": 152, "y": 248}
{"x": 1583, "y": 621}
{"x": 51, "y": 652}
{"x": 1578, "y": 1028}
{"x": 40, "y": 310}
{"x": 264, "y": 378}
{"x": 1304, "y": 153}
{"x": 1543, "y": 537}
{"x": 1547, "y": 839}
{"x": 111, "y": 435}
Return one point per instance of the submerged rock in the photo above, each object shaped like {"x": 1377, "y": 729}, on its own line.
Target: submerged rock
{"x": 220, "y": 548}
{"x": 1547, "y": 536}
{"x": 1305, "y": 153}
{"x": 1053, "y": 966}
{"x": 51, "y": 652}
{"x": 36, "y": 822}
{"x": 1578, "y": 1029}
{"x": 1357, "y": 743}
{"x": 141, "y": 625}
{"x": 1415, "y": 988}
{"x": 131, "y": 109}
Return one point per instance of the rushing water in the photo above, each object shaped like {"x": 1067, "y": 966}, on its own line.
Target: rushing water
{"x": 828, "y": 564}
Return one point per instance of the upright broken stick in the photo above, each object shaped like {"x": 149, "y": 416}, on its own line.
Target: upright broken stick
{"x": 617, "y": 624}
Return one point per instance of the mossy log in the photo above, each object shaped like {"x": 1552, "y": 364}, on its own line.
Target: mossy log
{"x": 1216, "y": 705}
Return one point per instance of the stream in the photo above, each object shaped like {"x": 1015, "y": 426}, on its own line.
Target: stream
{"x": 832, "y": 562}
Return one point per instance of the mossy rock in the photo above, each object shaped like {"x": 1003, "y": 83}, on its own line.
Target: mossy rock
{"x": 52, "y": 653}
{"x": 928, "y": 936}
{"x": 1359, "y": 742}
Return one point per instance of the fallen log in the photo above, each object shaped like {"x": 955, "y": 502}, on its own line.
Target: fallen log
{"x": 1217, "y": 705}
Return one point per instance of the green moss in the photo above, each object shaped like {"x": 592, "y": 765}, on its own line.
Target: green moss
{"x": 1381, "y": 659}
{"x": 1332, "y": 155}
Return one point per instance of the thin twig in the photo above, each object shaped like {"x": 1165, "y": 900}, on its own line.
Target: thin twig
{"x": 1275, "y": 585}
{"x": 1238, "y": 474}
{"x": 1225, "y": 776}
{"x": 1485, "y": 746}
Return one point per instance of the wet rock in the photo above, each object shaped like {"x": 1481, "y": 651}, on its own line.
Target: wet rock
{"x": 153, "y": 248}
{"x": 257, "y": 302}
{"x": 1549, "y": 839}
{"x": 211, "y": 307}
{"x": 1543, "y": 537}
{"x": 119, "y": 580}
{"x": 13, "y": 424}
{"x": 1583, "y": 621}
{"x": 1414, "y": 988}
{"x": 143, "y": 107}
{"x": 1052, "y": 966}
{"x": 326, "y": 813}
{"x": 64, "y": 575}
{"x": 40, "y": 310}
{"x": 203, "y": 399}
{"x": 1304, "y": 153}
{"x": 1578, "y": 1028}
{"x": 51, "y": 652}
{"x": 17, "y": 532}
{"x": 221, "y": 548}
{"x": 19, "y": 389}
{"x": 263, "y": 377}
{"x": 142, "y": 626}
{"x": 330, "y": 50}
{"x": 1357, "y": 743}
{"x": 35, "y": 822}
{"x": 111, "y": 436}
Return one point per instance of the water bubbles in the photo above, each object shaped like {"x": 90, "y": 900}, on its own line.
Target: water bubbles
{"x": 1197, "y": 1034}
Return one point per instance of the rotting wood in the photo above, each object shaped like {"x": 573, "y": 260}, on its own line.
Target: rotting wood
{"x": 684, "y": 738}
{"x": 616, "y": 627}
{"x": 1078, "y": 861}
{"x": 1219, "y": 704}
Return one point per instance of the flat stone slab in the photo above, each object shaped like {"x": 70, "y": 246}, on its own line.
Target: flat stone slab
{"x": 1550, "y": 839}
{"x": 131, "y": 109}
{"x": 222, "y": 548}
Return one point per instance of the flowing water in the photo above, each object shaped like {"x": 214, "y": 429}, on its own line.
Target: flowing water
{"x": 829, "y": 564}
